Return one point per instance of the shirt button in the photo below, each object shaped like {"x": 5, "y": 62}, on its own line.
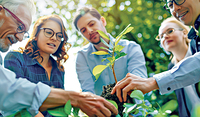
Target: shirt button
{"x": 168, "y": 88}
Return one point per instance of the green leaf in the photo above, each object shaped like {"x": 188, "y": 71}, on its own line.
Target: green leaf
{"x": 125, "y": 115}
{"x": 119, "y": 55}
{"x": 75, "y": 111}
{"x": 129, "y": 107}
{"x": 114, "y": 103}
{"x": 119, "y": 48}
{"x": 132, "y": 109}
{"x": 111, "y": 59}
{"x": 137, "y": 94}
{"x": 196, "y": 111}
{"x": 57, "y": 112}
{"x": 104, "y": 42}
{"x": 198, "y": 87}
{"x": 136, "y": 111}
{"x": 106, "y": 49}
{"x": 126, "y": 30}
{"x": 103, "y": 34}
{"x": 68, "y": 108}
{"x": 97, "y": 70}
{"x": 100, "y": 53}
{"x": 117, "y": 115}
{"x": 171, "y": 105}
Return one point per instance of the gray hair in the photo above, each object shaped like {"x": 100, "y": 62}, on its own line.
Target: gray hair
{"x": 12, "y": 5}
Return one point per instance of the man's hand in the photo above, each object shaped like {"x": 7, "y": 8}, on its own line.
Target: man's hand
{"x": 93, "y": 105}
{"x": 132, "y": 82}
{"x": 90, "y": 104}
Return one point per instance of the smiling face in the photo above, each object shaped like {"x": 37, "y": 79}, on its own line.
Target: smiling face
{"x": 45, "y": 44}
{"x": 88, "y": 26}
{"x": 174, "y": 40}
{"x": 188, "y": 12}
{"x": 9, "y": 25}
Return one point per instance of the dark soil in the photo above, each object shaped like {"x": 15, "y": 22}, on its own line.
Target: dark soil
{"x": 106, "y": 94}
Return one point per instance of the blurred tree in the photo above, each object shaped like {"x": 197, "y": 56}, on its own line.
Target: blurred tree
{"x": 144, "y": 15}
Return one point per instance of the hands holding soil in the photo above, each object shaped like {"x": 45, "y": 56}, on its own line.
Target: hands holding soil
{"x": 131, "y": 82}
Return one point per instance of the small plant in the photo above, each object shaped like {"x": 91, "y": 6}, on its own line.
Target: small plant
{"x": 114, "y": 52}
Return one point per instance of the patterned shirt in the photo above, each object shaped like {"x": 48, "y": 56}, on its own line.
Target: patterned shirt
{"x": 26, "y": 67}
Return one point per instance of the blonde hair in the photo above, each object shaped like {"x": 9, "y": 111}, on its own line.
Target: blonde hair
{"x": 181, "y": 25}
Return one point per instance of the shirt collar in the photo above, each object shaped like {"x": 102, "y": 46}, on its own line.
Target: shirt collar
{"x": 197, "y": 23}
{"x": 194, "y": 32}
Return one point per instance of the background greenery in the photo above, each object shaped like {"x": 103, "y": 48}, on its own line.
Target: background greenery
{"x": 144, "y": 15}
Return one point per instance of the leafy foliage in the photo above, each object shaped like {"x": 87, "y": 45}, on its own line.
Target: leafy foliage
{"x": 114, "y": 52}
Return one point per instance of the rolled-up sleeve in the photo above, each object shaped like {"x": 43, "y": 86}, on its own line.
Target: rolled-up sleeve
{"x": 185, "y": 73}
{"x": 17, "y": 94}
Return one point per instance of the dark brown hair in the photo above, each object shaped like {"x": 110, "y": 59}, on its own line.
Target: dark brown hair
{"x": 32, "y": 49}
{"x": 82, "y": 11}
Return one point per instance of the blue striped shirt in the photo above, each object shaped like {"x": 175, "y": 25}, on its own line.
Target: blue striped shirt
{"x": 26, "y": 67}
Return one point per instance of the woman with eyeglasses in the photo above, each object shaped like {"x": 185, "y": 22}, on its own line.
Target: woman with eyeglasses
{"x": 173, "y": 38}
{"x": 44, "y": 54}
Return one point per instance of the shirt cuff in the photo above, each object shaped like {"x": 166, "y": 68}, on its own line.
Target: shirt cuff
{"x": 41, "y": 93}
{"x": 165, "y": 82}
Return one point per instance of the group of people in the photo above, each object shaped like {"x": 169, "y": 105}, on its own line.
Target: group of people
{"x": 33, "y": 78}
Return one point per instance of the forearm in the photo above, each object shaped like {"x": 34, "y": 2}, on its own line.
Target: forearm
{"x": 18, "y": 94}
{"x": 59, "y": 97}
{"x": 185, "y": 73}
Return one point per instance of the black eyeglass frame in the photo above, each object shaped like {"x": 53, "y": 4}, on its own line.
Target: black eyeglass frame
{"x": 62, "y": 39}
{"x": 19, "y": 30}
{"x": 168, "y": 9}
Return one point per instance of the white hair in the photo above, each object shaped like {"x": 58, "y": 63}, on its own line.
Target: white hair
{"x": 12, "y": 5}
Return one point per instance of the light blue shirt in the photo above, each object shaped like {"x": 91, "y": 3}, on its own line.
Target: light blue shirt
{"x": 133, "y": 62}
{"x": 17, "y": 94}
{"x": 0, "y": 59}
{"x": 184, "y": 73}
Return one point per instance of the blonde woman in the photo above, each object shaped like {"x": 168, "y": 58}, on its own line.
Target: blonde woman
{"x": 173, "y": 38}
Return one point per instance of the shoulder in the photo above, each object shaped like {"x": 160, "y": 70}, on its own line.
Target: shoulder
{"x": 86, "y": 49}
{"x": 13, "y": 54}
{"x": 127, "y": 42}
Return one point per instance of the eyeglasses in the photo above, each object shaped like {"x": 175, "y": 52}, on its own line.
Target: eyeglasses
{"x": 50, "y": 33}
{"x": 167, "y": 32}
{"x": 21, "y": 28}
{"x": 169, "y": 5}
